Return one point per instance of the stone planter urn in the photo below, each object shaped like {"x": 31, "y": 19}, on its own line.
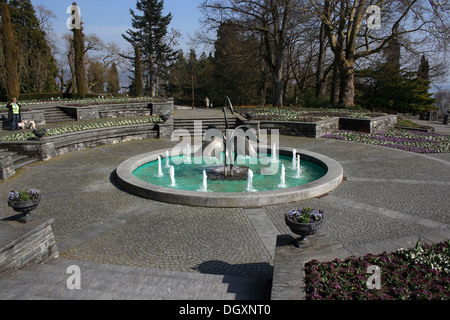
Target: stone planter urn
{"x": 303, "y": 229}
{"x": 39, "y": 133}
{"x": 25, "y": 208}
{"x": 164, "y": 117}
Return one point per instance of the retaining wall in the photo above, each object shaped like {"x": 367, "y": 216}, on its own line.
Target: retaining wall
{"x": 327, "y": 126}
{"x": 302, "y": 129}
{"x": 6, "y": 166}
{"x": 52, "y": 146}
{"x": 24, "y": 244}
{"x": 120, "y": 110}
{"x": 374, "y": 125}
{"x": 37, "y": 116}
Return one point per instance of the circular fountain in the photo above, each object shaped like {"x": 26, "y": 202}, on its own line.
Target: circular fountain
{"x": 231, "y": 170}
{"x": 201, "y": 192}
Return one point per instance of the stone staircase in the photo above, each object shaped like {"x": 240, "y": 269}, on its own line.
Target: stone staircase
{"x": 110, "y": 282}
{"x": 54, "y": 114}
{"x": 19, "y": 161}
{"x": 218, "y": 122}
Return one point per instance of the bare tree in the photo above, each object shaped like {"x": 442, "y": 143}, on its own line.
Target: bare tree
{"x": 273, "y": 20}
{"x": 443, "y": 100}
{"x": 351, "y": 38}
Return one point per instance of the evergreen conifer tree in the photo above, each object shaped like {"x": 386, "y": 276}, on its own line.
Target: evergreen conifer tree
{"x": 11, "y": 51}
{"x": 113, "y": 83}
{"x": 38, "y": 70}
{"x": 148, "y": 35}
{"x": 424, "y": 69}
{"x": 80, "y": 71}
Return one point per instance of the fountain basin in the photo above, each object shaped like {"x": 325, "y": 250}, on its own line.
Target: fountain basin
{"x": 331, "y": 180}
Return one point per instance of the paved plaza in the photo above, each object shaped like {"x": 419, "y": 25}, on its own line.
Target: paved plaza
{"x": 389, "y": 198}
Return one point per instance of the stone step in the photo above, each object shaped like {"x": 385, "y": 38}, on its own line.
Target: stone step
{"x": 54, "y": 114}
{"x": 18, "y": 161}
{"x": 23, "y": 163}
{"x": 5, "y": 153}
{"x": 189, "y": 124}
{"x": 101, "y": 281}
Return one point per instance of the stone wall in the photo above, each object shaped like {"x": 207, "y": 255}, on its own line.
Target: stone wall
{"x": 6, "y": 165}
{"x": 117, "y": 111}
{"x": 37, "y": 116}
{"x": 159, "y": 108}
{"x": 120, "y": 110}
{"x": 24, "y": 244}
{"x": 327, "y": 126}
{"x": 302, "y": 129}
{"x": 81, "y": 113}
{"x": 52, "y": 146}
{"x": 374, "y": 125}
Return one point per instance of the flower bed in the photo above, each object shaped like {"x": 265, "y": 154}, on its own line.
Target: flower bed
{"x": 23, "y": 136}
{"x": 419, "y": 273}
{"x": 302, "y": 114}
{"x": 413, "y": 141}
{"x": 91, "y": 101}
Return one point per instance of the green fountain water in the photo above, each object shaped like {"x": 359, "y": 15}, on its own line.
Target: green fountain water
{"x": 189, "y": 172}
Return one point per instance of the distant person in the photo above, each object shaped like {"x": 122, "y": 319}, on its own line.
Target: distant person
{"x": 207, "y": 103}
{"x": 14, "y": 114}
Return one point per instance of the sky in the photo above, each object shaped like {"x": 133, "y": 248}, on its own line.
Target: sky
{"x": 109, "y": 19}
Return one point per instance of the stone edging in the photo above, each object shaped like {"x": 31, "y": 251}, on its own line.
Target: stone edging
{"x": 319, "y": 128}
{"x": 329, "y": 182}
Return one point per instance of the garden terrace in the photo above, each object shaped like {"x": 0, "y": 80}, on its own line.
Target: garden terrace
{"x": 56, "y": 110}
{"x": 61, "y": 139}
{"x": 314, "y": 123}
{"x": 388, "y": 200}
{"x": 303, "y": 114}
{"x": 414, "y": 141}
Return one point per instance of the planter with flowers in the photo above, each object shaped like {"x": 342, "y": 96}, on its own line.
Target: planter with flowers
{"x": 304, "y": 222}
{"x": 24, "y": 202}
{"x": 40, "y": 132}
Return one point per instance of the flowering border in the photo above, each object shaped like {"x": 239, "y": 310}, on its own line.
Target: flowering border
{"x": 413, "y": 141}
{"x": 407, "y": 274}
{"x": 302, "y": 114}
{"x": 23, "y": 136}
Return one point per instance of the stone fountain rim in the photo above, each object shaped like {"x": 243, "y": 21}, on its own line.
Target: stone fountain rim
{"x": 330, "y": 181}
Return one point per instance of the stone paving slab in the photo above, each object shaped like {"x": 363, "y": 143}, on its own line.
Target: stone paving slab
{"x": 389, "y": 198}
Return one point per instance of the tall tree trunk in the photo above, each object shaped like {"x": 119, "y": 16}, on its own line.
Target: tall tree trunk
{"x": 334, "y": 93}
{"x": 347, "y": 83}
{"x": 138, "y": 79}
{"x": 11, "y": 50}
{"x": 320, "y": 81}
{"x": 61, "y": 79}
{"x": 278, "y": 80}
{"x": 80, "y": 71}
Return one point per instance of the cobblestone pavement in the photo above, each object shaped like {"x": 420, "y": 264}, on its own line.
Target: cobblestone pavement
{"x": 387, "y": 195}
